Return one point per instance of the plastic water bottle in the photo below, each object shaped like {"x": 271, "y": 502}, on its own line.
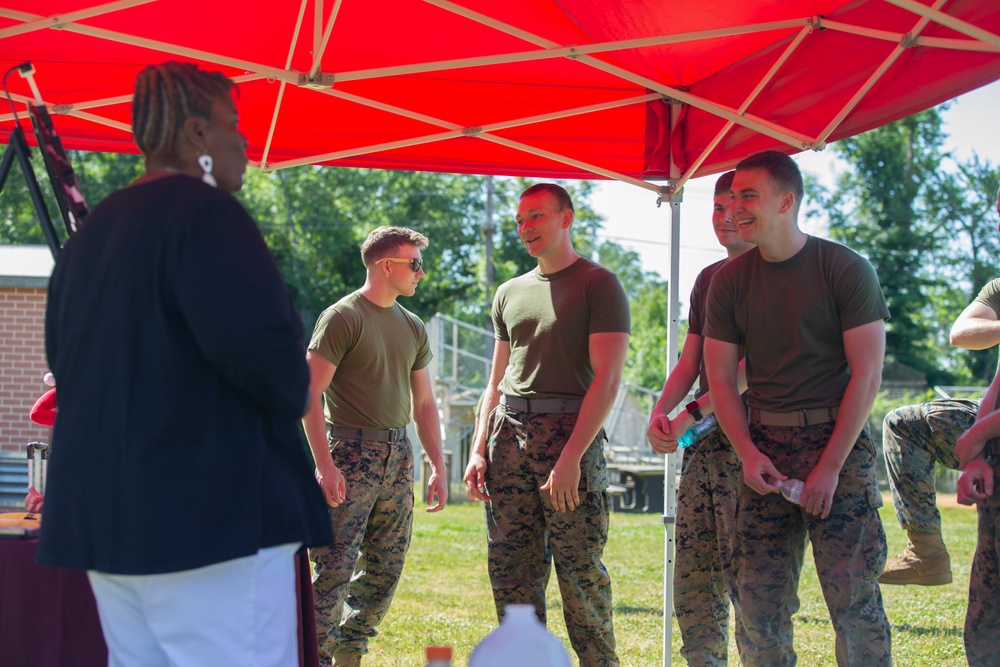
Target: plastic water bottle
{"x": 791, "y": 489}
{"x": 698, "y": 430}
{"x": 520, "y": 641}
{"x": 438, "y": 656}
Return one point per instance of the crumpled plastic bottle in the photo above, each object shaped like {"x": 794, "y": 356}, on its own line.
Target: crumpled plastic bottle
{"x": 791, "y": 489}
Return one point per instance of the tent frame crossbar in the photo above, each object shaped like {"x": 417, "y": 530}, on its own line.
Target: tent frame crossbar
{"x": 761, "y": 86}
{"x": 281, "y": 86}
{"x": 548, "y": 50}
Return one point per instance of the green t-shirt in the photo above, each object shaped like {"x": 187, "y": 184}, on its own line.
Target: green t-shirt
{"x": 791, "y": 316}
{"x": 547, "y": 319}
{"x": 990, "y": 295}
{"x": 374, "y": 349}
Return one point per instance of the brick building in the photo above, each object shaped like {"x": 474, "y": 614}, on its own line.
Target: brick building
{"x": 24, "y": 279}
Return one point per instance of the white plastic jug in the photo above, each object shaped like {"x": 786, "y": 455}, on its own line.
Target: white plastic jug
{"x": 520, "y": 641}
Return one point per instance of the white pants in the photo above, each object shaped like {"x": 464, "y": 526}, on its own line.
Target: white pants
{"x": 239, "y": 612}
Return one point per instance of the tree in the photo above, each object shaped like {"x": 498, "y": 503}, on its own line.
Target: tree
{"x": 314, "y": 220}
{"x": 879, "y": 209}
{"x": 963, "y": 211}
{"x": 99, "y": 174}
{"x": 927, "y": 222}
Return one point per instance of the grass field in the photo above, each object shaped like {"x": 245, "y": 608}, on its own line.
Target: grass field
{"x": 444, "y": 596}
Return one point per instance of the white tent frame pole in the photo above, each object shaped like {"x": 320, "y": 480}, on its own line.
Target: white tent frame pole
{"x": 77, "y": 109}
{"x": 321, "y": 48}
{"x": 898, "y": 37}
{"x": 956, "y": 44}
{"x": 155, "y": 45}
{"x": 761, "y": 125}
{"x": 454, "y": 131}
{"x": 281, "y": 86}
{"x": 39, "y": 23}
{"x": 671, "y": 461}
{"x": 594, "y": 169}
{"x": 764, "y": 82}
{"x": 317, "y": 22}
{"x": 876, "y": 76}
{"x": 955, "y": 24}
{"x": 552, "y": 50}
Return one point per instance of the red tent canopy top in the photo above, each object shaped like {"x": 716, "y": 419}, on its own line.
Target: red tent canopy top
{"x": 567, "y": 89}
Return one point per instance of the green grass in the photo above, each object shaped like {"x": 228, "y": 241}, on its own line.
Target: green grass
{"x": 444, "y": 596}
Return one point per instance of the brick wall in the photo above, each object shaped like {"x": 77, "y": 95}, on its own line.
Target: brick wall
{"x": 22, "y": 365}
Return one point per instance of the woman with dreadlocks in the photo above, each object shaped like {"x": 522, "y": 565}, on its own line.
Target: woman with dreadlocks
{"x": 177, "y": 478}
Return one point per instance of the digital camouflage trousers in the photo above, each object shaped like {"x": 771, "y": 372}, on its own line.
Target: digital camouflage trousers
{"x": 982, "y": 619}
{"x": 704, "y": 574}
{"x": 848, "y": 547}
{"x": 914, "y": 437}
{"x": 526, "y": 534}
{"x": 355, "y": 578}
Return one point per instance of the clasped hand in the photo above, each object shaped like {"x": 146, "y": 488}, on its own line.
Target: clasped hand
{"x": 663, "y": 431}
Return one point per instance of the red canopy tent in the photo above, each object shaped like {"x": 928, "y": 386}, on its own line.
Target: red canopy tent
{"x": 569, "y": 89}
{"x": 636, "y": 91}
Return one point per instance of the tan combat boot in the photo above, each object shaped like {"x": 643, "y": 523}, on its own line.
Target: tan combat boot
{"x": 346, "y": 659}
{"x": 925, "y": 562}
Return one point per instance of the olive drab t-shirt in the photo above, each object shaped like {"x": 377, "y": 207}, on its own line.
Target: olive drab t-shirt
{"x": 374, "y": 349}
{"x": 696, "y": 315}
{"x": 791, "y": 316}
{"x": 547, "y": 319}
{"x": 990, "y": 295}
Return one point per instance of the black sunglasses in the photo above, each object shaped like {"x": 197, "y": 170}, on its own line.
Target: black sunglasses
{"x": 416, "y": 264}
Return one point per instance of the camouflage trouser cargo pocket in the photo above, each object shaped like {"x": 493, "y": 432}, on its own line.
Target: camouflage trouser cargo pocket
{"x": 704, "y": 574}
{"x": 914, "y": 439}
{"x": 526, "y": 534}
{"x": 372, "y": 530}
{"x": 982, "y": 619}
{"x": 848, "y": 547}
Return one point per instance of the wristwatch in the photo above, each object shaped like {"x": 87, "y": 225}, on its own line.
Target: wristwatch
{"x": 694, "y": 410}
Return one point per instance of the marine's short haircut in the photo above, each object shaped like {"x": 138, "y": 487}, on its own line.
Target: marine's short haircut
{"x": 166, "y": 95}
{"x": 384, "y": 241}
{"x": 781, "y": 168}
{"x": 724, "y": 185}
{"x": 563, "y": 199}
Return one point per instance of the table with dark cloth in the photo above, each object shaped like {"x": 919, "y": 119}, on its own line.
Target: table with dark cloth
{"x": 48, "y": 616}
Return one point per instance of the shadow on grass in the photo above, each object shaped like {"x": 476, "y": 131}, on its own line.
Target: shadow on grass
{"x": 897, "y": 628}
{"x": 923, "y": 631}
{"x": 626, "y": 609}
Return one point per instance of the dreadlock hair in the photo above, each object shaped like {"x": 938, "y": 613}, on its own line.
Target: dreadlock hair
{"x": 383, "y": 241}
{"x": 559, "y": 192}
{"x": 168, "y": 94}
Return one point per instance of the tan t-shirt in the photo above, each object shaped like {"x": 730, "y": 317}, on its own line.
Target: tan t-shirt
{"x": 374, "y": 349}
